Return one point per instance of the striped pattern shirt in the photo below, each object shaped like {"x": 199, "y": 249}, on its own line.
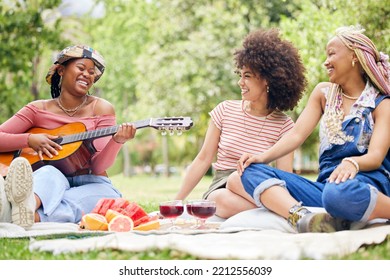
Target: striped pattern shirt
{"x": 244, "y": 133}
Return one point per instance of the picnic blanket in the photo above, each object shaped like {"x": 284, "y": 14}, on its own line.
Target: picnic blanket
{"x": 224, "y": 240}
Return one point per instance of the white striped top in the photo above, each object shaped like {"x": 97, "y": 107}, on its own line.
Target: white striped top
{"x": 244, "y": 133}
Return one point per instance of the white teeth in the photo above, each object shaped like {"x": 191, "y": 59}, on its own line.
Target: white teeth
{"x": 82, "y": 82}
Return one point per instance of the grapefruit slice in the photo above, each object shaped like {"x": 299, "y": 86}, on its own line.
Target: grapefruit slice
{"x": 94, "y": 221}
{"x": 121, "y": 223}
{"x": 111, "y": 214}
{"x": 154, "y": 224}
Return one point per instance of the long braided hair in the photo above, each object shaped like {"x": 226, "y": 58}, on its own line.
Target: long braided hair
{"x": 55, "y": 87}
{"x": 374, "y": 63}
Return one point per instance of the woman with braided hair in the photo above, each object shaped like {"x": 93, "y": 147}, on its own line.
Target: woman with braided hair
{"x": 354, "y": 177}
{"x": 50, "y": 195}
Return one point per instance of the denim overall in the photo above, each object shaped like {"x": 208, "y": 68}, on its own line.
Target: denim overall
{"x": 352, "y": 200}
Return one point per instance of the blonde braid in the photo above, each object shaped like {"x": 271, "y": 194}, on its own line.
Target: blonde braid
{"x": 333, "y": 117}
{"x": 374, "y": 63}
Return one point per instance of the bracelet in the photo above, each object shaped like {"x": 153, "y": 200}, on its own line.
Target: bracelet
{"x": 117, "y": 141}
{"x": 354, "y": 162}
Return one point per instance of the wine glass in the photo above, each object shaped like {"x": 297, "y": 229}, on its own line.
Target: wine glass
{"x": 189, "y": 211}
{"x": 171, "y": 210}
{"x": 202, "y": 209}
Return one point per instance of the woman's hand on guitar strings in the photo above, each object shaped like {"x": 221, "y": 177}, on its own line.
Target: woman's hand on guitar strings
{"x": 43, "y": 144}
{"x": 126, "y": 131}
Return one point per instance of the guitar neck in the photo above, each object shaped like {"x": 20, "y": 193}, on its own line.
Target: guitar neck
{"x": 102, "y": 132}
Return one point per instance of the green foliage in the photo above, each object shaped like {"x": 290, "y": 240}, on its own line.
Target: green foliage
{"x": 170, "y": 57}
{"x": 27, "y": 28}
{"x": 313, "y": 25}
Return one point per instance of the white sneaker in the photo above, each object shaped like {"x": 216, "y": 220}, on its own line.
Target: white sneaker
{"x": 19, "y": 189}
{"x": 5, "y": 206}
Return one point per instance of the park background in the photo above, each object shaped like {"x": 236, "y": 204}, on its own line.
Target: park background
{"x": 169, "y": 58}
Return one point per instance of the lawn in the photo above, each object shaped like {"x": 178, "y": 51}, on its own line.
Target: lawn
{"x": 148, "y": 191}
{"x": 152, "y": 189}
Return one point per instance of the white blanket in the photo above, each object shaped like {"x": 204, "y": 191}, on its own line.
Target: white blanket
{"x": 211, "y": 244}
{"x": 224, "y": 244}
{"x": 253, "y": 234}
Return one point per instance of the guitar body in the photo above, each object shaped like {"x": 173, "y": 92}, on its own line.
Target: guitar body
{"x": 73, "y": 156}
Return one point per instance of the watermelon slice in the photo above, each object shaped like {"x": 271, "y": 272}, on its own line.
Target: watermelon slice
{"x": 123, "y": 206}
{"x": 99, "y": 205}
{"x": 119, "y": 203}
{"x": 103, "y": 205}
{"x": 141, "y": 220}
{"x": 135, "y": 211}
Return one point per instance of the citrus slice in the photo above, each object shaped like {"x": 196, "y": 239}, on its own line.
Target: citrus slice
{"x": 121, "y": 223}
{"x": 111, "y": 214}
{"x": 155, "y": 224}
{"x": 94, "y": 221}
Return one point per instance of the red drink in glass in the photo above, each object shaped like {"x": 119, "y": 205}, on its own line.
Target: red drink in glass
{"x": 171, "y": 211}
{"x": 189, "y": 209}
{"x": 203, "y": 211}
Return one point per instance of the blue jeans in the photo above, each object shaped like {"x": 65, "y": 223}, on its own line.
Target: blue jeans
{"x": 353, "y": 200}
{"x": 67, "y": 199}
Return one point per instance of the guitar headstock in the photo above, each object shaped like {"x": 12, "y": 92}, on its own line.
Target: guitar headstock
{"x": 171, "y": 124}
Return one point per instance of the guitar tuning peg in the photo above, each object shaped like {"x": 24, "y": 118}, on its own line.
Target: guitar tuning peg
{"x": 163, "y": 133}
{"x": 179, "y": 132}
{"x": 171, "y": 133}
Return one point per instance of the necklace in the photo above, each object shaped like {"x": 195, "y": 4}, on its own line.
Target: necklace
{"x": 73, "y": 111}
{"x": 263, "y": 119}
{"x": 349, "y": 97}
{"x": 261, "y": 129}
{"x": 248, "y": 108}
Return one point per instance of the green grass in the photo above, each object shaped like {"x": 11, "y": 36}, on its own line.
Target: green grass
{"x": 148, "y": 191}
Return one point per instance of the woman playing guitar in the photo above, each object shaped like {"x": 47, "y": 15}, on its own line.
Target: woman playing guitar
{"x": 52, "y": 195}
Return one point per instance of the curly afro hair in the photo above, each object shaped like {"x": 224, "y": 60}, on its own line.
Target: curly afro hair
{"x": 278, "y": 62}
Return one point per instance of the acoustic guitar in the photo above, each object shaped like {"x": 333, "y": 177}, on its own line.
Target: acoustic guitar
{"x": 77, "y": 146}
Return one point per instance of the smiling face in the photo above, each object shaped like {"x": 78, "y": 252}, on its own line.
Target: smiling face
{"x": 338, "y": 61}
{"x": 253, "y": 88}
{"x": 78, "y": 75}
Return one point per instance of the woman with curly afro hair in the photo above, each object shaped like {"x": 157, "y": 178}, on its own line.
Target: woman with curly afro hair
{"x": 272, "y": 80}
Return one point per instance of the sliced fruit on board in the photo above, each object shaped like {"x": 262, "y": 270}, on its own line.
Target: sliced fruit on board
{"x": 154, "y": 224}
{"x": 107, "y": 205}
{"x": 123, "y": 206}
{"x": 94, "y": 221}
{"x": 111, "y": 214}
{"x": 121, "y": 223}
{"x": 135, "y": 211}
{"x": 119, "y": 203}
{"x": 103, "y": 205}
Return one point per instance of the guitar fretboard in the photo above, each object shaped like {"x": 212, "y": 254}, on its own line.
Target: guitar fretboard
{"x": 102, "y": 132}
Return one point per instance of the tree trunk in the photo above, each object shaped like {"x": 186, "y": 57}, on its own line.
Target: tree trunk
{"x": 165, "y": 155}
{"x": 126, "y": 161}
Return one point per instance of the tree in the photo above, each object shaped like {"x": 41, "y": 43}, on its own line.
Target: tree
{"x": 26, "y": 30}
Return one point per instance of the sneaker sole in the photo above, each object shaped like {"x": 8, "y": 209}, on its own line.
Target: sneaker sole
{"x": 4, "y": 217}
{"x": 18, "y": 188}
{"x": 318, "y": 222}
